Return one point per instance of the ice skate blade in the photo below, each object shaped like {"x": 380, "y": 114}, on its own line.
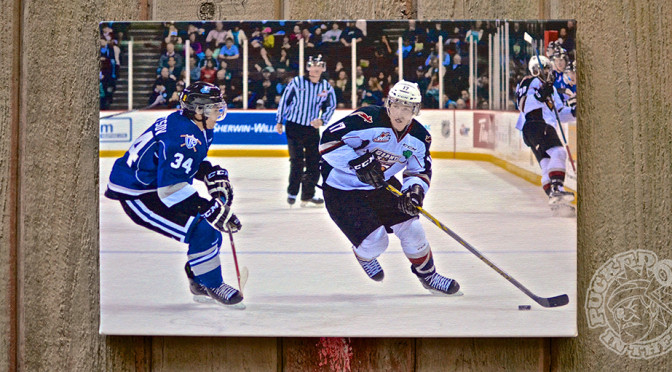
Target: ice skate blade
{"x": 238, "y": 306}
{"x": 561, "y": 199}
{"x": 434, "y": 292}
{"x": 311, "y": 205}
{"x": 201, "y": 299}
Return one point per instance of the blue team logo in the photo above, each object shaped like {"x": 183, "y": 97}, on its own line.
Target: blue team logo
{"x": 190, "y": 141}
{"x": 205, "y": 89}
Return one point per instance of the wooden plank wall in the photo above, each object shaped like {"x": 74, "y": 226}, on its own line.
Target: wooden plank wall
{"x": 49, "y": 206}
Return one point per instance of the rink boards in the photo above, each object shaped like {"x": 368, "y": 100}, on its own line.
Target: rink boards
{"x": 456, "y": 134}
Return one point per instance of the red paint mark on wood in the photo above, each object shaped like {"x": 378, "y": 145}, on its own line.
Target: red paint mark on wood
{"x": 335, "y": 352}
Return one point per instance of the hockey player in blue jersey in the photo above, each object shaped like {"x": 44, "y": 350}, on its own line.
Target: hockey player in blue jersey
{"x": 536, "y": 97}
{"x": 153, "y": 183}
{"x": 363, "y": 152}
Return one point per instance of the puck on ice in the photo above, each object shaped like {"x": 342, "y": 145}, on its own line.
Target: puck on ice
{"x": 524, "y": 307}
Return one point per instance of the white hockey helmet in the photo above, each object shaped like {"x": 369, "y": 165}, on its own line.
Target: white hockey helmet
{"x": 405, "y": 93}
{"x": 544, "y": 72}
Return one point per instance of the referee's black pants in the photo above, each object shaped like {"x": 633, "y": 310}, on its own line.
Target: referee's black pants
{"x": 303, "y": 143}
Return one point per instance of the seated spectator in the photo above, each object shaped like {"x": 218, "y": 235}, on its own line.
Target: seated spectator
{"x": 333, "y": 35}
{"x": 196, "y": 46}
{"x": 316, "y": 40}
{"x": 373, "y": 94}
{"x": 456, "y": 78}
{"x": 208, "y": 73}
{"x": 460, "y": 104}
{"x": 216, "y": 38}
{"x": 237, "y": 35}
{"x": 464, "y": 96}
{"x": 230, "y": 54}
{"x": 351, "y": 33}
{"x": 170, "y": 52}
{"x": 194, "y": 70}
{"x": 282, "y": 63}
{"x": 209, "y": 56}
{"x": 162, "y": 90}
{"x": 108, "y": 59}
{"x": 223, "y": 76}
{"x": 113, "y": 44}
{"x": 344, "y": 85}
{"x": 173, "y": 71}
{"x": 296, "y": 35}
{"x": 268, "y": 38}
{"x": 174, "y": 100}
{"x": 265, "y": 89}
{"x": 432, "y": 93}
{"x": 360, "y": 80}
{"x": 421, "y": 79}
{"x": 172, "y": 37}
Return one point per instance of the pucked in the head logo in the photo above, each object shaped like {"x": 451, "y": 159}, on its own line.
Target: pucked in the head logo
{"x": 630, "y": 297}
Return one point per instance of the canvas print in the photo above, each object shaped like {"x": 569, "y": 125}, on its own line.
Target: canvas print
{"x": 354, "y": 178}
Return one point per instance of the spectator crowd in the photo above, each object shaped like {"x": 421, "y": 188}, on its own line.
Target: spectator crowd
{"x": 216, "y": 52}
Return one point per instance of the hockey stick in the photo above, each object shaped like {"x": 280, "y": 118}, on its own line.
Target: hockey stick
{"x": 556, "y": 301}
{"x": 530, "y": 41}
{"x": 242, "y": 274}
{"x": 128, "y": 112}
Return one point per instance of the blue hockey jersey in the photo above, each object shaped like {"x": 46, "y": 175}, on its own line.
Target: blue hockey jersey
{"x": 169, "y": 152}
{"x": 369, "y": 130}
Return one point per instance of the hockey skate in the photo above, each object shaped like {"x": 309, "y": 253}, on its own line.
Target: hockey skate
{"x": 291, "y": 199}
{"x": 438, "y": 284}
{"x": 372, "y": 269}
{"x": 226, "y": 295}
{"x": 315, "y": 202}
{"x": 558, "y": 196}
{"x": 560, "y": 202}
{"x": 197, "y": 290}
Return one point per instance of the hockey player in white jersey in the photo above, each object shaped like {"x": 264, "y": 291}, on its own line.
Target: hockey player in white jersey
{"x": 363, "y": 152}
{"x": 536, "y": 99}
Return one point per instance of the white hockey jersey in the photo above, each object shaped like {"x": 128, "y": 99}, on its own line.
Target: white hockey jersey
{"x": 369, "y": 130}
{"x": 527, "y": 103}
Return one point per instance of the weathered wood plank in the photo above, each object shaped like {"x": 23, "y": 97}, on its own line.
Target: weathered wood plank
{"x": 58, "y": 197}
{"x": 10, "y": 29}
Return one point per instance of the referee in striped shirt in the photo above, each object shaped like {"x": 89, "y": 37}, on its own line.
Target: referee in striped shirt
{"x": 306, "y": 104}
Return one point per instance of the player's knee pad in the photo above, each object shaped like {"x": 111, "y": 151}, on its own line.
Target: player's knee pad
{"x": 203, "y": 237}
{"x": 412, "y": 237}
{"x": 374, "y": 244}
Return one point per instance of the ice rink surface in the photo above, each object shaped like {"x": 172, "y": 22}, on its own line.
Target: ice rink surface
{"x": 304, "y": 279}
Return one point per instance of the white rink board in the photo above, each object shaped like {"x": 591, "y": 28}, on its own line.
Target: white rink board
{"x": 452, "y": 131}
{"x": 305, "y": 281}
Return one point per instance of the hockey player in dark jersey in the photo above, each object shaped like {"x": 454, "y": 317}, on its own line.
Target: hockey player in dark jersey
{"x": 363, "y": 152}
{"x": 537, "y": 97}
{"x": 153, "y": 183}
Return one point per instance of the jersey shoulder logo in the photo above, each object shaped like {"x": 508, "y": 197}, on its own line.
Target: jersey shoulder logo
{"x": 365, "y": 117}
{"x": 428, "y": 138}
{"x": 190, "y": 141}
{"x": 383, "y": 137}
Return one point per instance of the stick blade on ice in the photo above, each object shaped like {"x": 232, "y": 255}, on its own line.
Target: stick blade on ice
{"x": 556, "y": 301}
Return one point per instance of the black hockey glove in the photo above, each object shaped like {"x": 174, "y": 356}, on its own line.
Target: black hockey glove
{"x": 544, "y": 93}
{"x": 411, "y": 199}
{"x": 368, "y": 170}
{"x": 571, "y": 103}
{"x": 220, "y": 216}
{"x": 217, "y": 181}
